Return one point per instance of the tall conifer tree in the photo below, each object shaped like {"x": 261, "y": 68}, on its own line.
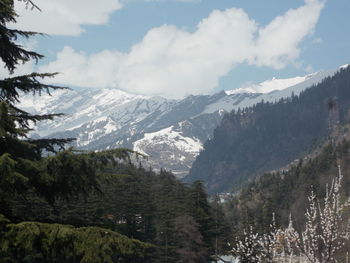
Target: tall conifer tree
{"x": 19, "y": 154}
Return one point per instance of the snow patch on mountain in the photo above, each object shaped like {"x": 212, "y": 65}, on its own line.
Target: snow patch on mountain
{"x": 95, "y": 130}
{"x": 168, "y": 136}
{"x": 270, "y": 85}
{"x": 240, "y": 91}
{"x": 169, "y": 148}
{"x": 45, "y": 102}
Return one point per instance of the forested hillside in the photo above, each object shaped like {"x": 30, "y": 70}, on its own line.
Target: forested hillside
{"x": 267, "y": 136}
{"x": 285, "y": 193}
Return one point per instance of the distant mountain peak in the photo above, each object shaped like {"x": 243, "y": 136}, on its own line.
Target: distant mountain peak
{"x": 268, "y": 86}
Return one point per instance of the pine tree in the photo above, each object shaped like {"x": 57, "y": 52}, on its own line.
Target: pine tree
{"x": 19, "y": 155}
{"x": 190, "y": 241}
{"x": 13, "y": 54}
{"x": 221, "y": 227}
{"x": 200, "y": 210}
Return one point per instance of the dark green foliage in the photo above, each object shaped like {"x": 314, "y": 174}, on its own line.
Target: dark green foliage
{"x": 12, "y": 53}
{"x": 270, "y": 135}
{"x": 220, "y": 228}
{"x": 133, "y": 201}
{"x": 191, "y": 248}
{"x": 141, "y": 204}
{"x": 200, "y": 210}
{"x": 20, "y": 159}
{"x": 40, "y": 242}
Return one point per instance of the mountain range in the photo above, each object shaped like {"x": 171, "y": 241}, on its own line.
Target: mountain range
{"x": 170, "y": 132}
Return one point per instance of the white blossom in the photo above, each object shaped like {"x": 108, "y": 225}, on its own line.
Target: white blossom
{"x": 323, "y": 236}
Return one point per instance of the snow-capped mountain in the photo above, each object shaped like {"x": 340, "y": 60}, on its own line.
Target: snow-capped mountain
{"x": 170, "y": 132}
{"x": 270, "y": 85}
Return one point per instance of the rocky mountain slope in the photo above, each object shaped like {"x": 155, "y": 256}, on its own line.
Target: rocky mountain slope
{"x": 170, "y": 132}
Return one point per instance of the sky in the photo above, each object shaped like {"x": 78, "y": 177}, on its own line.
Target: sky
{"x": 174, "y": 48}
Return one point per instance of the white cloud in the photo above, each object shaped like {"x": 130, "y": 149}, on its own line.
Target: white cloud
{"x": 79, "y": 69}
{"x": 278, "y": 42}
{"x": 173, "y": 62}
{"x": 64, "y": 17}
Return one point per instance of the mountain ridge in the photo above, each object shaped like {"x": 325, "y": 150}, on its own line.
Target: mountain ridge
{"x": 109, "y": 118}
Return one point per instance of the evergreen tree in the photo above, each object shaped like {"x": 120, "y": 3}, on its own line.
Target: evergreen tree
{"x": 221, "y": 228}
{"x": 19, "y": 155}
{"x": 190, "y": 241}
{"x": 200, "y": 210}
